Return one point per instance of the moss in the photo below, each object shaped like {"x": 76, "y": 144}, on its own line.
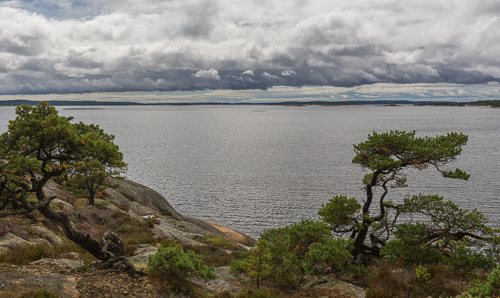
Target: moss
{"x": 217, "y": 241}
{"x": 129, "y": 197}
{"x": 120, "y": 205}
{"x": 39, "y": 294}
{"x": 102, "y": 205}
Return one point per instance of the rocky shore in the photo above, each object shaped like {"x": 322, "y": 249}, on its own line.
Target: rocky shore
{"x": 69, "y": 275}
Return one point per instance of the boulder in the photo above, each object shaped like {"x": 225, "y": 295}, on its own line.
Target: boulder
{"x": 140, "y": 257}
{"x": 48, "y": 235}
{"x": 143, "y": 210}
{"x": 220, "y": 284}
{"x": 136, "y": 217}
{"x": 313, "y": 282}
{"x": 115, "y": 196}
{"x": 144, "y": 196}
{"x": 12, "y": 241}
{"x": 244, "y": 240}
{"x": 62, "y": 285}
{"x": 207, "y": 227}
{"x": 164, "y": 228}
{"x": 60, "y": 263}
{"x": 69, "y": 255}
{"x": 147, "y": 202}
{"x": 62, "y": 205}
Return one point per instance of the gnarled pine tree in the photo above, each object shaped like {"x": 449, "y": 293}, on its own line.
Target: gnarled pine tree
{"x": 385, "y": 156}
{"x": 39, "y": 145}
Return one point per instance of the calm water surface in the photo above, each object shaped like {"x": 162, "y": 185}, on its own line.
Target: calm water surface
{"x": 258, "y": 167}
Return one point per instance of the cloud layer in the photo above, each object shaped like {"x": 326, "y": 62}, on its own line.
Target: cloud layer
{"x": 63, "y": 47}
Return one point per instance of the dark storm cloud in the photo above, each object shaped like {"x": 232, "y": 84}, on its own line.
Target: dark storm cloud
{"x": 65, "y": 46}
{"x": 34, "y": 64}
{"x": 189, "y": 80}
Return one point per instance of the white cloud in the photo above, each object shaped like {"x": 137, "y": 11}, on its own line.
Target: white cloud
{"x": 111, "y": 45}
{"x": 268, "y": 75}
{"x": 210, "y": 74}
{"x": 288, "y": 72}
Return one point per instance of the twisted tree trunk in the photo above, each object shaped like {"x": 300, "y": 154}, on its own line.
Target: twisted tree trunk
{"x": 110, "y": 246}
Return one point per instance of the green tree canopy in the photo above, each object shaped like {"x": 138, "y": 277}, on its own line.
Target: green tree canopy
{"x": 39, "y": 145}
{"x": 372, "y": 223}
{"x": 100, "y": 158}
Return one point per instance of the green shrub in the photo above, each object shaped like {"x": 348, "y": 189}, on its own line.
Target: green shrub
{"x": 304, "y": 248}
{"x": 84, "y": 268}
{"x": 212, "y": 255}
{"x": 173, "y": 261}
{"x": 422, "y": 274}
{"x": 489, "y": 289}
{"x": 39, "y": 294}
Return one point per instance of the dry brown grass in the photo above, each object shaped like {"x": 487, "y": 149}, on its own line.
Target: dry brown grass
{"x": 26, "y": 254}
{"x": 389, "y": 282}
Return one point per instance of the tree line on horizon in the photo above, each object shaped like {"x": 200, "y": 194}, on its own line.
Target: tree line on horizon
{"x": 39, "y": 145}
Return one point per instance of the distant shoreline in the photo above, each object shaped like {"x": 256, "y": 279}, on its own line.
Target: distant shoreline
{"x": 484, "y": 103}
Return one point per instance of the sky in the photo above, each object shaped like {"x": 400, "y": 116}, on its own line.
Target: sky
{"x": 249, "y": 51}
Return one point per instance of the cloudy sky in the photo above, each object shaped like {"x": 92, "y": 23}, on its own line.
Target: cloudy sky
{"x": 255, "y": 50}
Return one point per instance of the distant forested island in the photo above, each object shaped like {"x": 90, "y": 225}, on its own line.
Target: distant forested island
{"x": 490, "y": 103}
{"x": 485, "y": 103}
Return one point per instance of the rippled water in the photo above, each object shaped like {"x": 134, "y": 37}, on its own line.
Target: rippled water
{"x": 257, "y": 167}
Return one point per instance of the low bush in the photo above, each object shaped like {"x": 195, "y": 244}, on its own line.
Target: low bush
{"x": 87, "y": 228}
{"x": 212, "y": 256}
{"x": 173, "y": 261}
{"x": 175, "y": 287}
{"x": 488, "y": 288}
{"x": 131, "y": 232}
{"x": 254, "y": 293}
{"x": 422, "y": 281}
{"x": 307, "y": 247}
{"x": 5, "y": 227}
{"x": 26, "y": 254}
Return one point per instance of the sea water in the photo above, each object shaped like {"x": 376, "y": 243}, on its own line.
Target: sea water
{"x": 257, "y": 167}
